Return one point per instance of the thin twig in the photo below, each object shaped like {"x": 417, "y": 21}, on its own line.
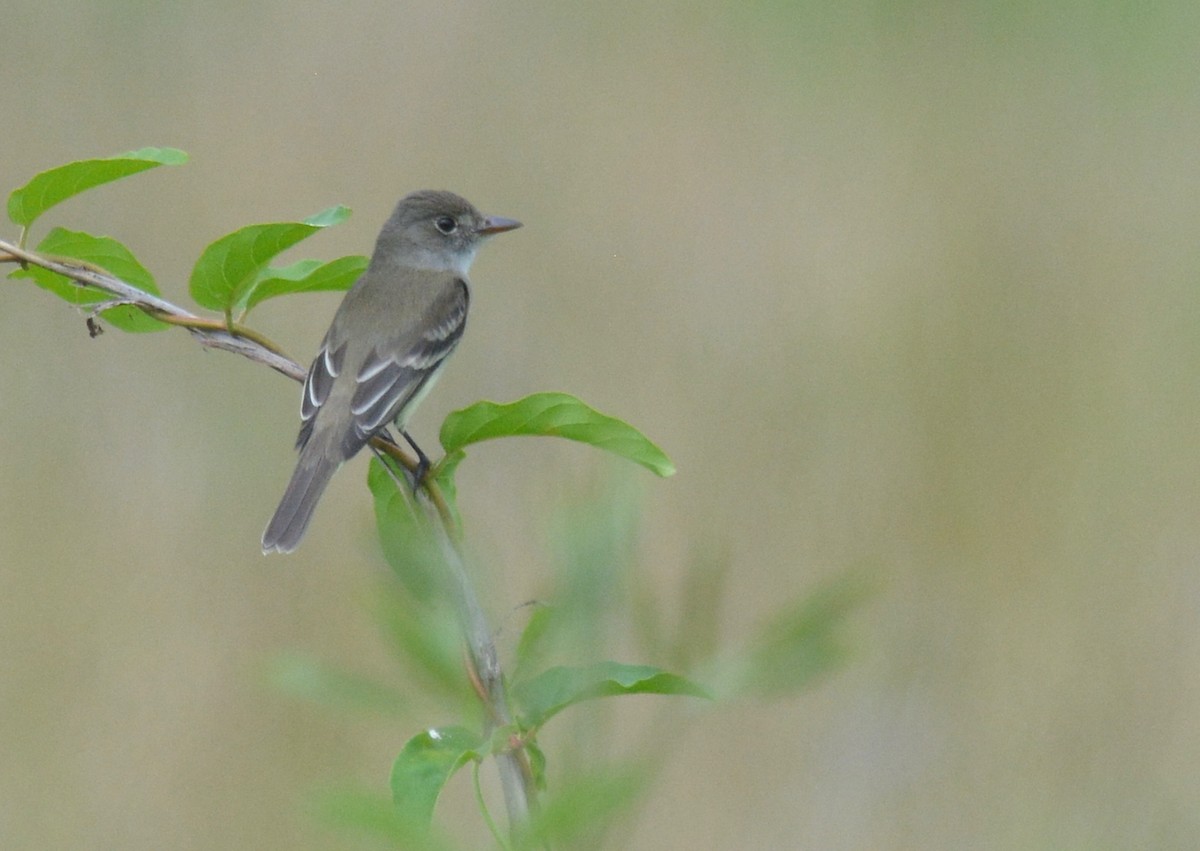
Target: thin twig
{"x": 208, "y": 332}
{"x": 516, "y": 777}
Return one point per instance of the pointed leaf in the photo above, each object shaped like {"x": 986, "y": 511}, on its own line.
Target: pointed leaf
{"x": 109, "y": 255}
{"x": 426, "y": 637}
{"x": 537, "y": 763}
{"x": 306, "y": 276}
{"x": 329, "y": 216}
{"x": 58, "y": 184}
{"x": 225, "y": 273}
{"x": 556, "y": 414}
{"x": 404, "y": 534}
{"x": 421, "y": 622}
{"x": 531, "y": 647}
{"x": 801, "y": 642}
{"x": 313, "y": 680}
{"x": 557, "y": 688}
{"x": 578, "y": 815}
{"x": 594, "y": 549}
{"x": 424, "y": 766}
{"x": 443, "y": 474}
{"x": 376, "y": 817}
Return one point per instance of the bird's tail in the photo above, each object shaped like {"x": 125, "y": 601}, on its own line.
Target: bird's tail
{"x": 283, "y": 533}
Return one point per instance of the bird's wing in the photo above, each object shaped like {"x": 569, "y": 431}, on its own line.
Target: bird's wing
{"x": 326, "y": 366}
{"x": 394, "y": 373}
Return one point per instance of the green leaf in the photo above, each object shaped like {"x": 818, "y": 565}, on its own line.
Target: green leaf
{"x": 329, "y": 216}
{"x": 537, "y": 763}
{"x": 594, "y": 546}
{"x": 375, "y": 816}
{"x": 404, "y": 533}
{"x": 555, "y": 414}
{"x": 109, "y": 255}
{"x": 227, "y": 270}
{"x": 531, "y": 647}
{"x": 58, "y": 184}
{"x": 421, "y": 622}
{"x": 579, "y": 814}
{"x": 555, "y": 689}
{"x": 312, "y": 680}
{"x": 424, "y": 766}
{"x": 800, "y": 643}
{"x": 443, "y": 474}
{"x": 306, "y": 276}
{"x": 425, "y": 635}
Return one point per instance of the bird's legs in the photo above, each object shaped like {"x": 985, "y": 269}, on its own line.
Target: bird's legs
{"x": 422, "y": 461}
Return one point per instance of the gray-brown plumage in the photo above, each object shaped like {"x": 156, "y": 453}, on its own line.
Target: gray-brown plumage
{"x": 388, "y": 342}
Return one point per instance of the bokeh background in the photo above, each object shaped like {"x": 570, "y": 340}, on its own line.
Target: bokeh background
{"x": 908, "y": 288}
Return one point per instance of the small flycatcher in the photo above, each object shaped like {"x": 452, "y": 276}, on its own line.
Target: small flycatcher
{"x": 388, "y": 343}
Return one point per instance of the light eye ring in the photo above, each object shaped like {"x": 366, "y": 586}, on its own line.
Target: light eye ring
{"x": 445, "y": 224}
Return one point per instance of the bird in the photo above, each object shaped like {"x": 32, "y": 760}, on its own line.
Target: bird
{"x": 388, "y": 343}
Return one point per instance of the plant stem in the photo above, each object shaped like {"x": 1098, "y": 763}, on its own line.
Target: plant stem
{"x": 483, "y": 808}
{"x": 516, "y": 776}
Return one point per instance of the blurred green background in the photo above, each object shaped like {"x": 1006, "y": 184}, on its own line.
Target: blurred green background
{"x": 903, "y": 286}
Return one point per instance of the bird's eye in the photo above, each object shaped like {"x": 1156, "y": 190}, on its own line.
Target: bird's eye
{"x": 446, "y": 224}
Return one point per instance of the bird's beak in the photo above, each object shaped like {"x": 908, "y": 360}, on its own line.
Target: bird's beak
{"x": 497, "y": 224}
